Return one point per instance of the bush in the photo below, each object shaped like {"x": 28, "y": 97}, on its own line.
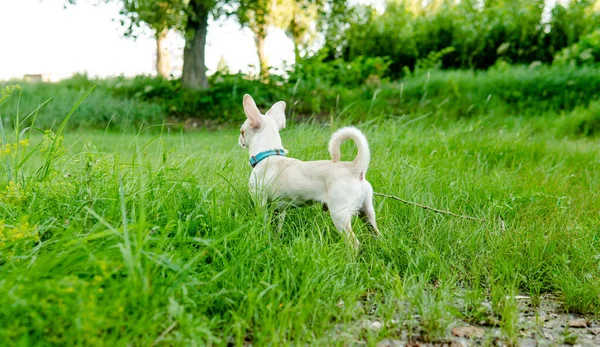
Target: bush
{"x": 515, "y": 90}
{"x": 355, "y": 91}
{"x": 338, "y": 72}
{"x": 586, "y": 51}
{"x": 480, "y": 33}
{"x": 101, "y": 109}
{"x": 581, "y": 121}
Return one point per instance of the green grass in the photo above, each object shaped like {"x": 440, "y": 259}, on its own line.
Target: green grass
{"x": 133, "y": 103}
{"x": 127, "y": 238}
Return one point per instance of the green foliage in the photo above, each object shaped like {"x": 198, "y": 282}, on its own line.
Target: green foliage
{"x": 480, "y": 33}
{"x": 159, "y": 15}
{"x": 298, "y": 19}
{"x": 101, "y": 109}
{"x": 321, "y": 89}
{"x": 389, "y": 35}
{"x": 583, "y": 121}
{"x": 586, "y": 51}
{"x": 7, "y": 91}
{"x": 524, "y": 90}
{"x": 355, "y": 91}
{"x": 433, "y": 61}
{"x": 339, "y": 73}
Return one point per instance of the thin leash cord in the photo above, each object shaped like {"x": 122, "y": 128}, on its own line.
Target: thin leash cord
{"x": 430, "y": 208}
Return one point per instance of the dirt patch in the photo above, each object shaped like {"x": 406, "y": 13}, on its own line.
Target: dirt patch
{"x": 543, "y": 325}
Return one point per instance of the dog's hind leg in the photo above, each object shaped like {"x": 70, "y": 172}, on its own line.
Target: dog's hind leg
{"x": 343, "y": 203}
{"x": 342, "y": 219}
{"x": 369, "y": 212}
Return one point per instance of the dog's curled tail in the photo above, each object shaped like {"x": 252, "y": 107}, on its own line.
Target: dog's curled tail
{"x": 351, "y": 133}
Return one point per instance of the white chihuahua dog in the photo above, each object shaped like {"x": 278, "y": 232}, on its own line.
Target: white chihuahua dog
{"x": 340, "y": 186}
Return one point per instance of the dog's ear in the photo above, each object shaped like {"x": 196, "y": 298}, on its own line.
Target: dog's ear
{"x": 277, "y": 112}
{"x": 252, "y": 112}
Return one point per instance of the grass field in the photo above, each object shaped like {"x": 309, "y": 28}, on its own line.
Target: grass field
{"x": 152, "y": 238}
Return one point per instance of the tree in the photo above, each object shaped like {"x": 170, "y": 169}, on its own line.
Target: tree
{"x": 194, "y": 66}
{"x": 333, "y": 21}
{"x": 298, "y": 19}
{"x": 161, "y": 16}
{"x": 257, "y": 16}
{"x": 187, "y": 16}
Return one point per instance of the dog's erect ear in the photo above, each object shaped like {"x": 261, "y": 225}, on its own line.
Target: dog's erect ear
{"x": 252, "y": 112}
{"x": 277, "y": 112}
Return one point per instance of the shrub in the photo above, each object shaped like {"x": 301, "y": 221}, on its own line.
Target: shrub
{"x": 480, "y": 32}
{"x": 581, "y": 121}
{"x": 586, "y": 51}
{"x": 354, "y": 91}
{"x": 339, "y": 72}
{"x": 101, "y": 109}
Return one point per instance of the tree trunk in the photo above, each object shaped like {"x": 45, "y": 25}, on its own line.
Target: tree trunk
{"x": 296, "y": 38}
{"x": 296, "y": 50}
{"x": 260, "y": 36}
{"x": 163, "y": 59}
{"x": 194, "y": 68}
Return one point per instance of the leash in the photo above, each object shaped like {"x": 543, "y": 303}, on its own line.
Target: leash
{"x": 436, "y": 209}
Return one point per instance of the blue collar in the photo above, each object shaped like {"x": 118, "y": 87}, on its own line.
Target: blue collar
{"x": 255, "y": 159}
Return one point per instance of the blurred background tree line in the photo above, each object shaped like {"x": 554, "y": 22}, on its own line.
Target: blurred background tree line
{"x": 443, "y": 58}
{"x": 467, "y": 34}
{"x": 406, "y": 35}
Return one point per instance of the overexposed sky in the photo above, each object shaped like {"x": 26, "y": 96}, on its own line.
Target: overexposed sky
{"x": 42, "y": 36}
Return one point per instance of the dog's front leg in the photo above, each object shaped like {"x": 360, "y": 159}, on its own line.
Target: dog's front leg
{"x": 261, "y": 200}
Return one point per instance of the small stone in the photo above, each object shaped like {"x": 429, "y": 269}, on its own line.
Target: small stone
{"x": 340, "y": 304}
{"x": 578, "y": 323}
{"x": 546, "y": 333}
{"x": 391, "y": 343}
{"x": 517, "y": 297}
{"x": 468, "y": 331}
{"x": 528, "y": 342}
{"x": 376, "y": 326}
{"x": 595, "y": 331}
{"x": 459, "y": 343}
{"x": 391, "y": 323}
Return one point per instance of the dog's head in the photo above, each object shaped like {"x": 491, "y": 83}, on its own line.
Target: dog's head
{"x": 258, "y": 126}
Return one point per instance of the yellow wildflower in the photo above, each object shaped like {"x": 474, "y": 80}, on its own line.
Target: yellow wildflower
{"x": 10, "y": 233}
{"x": 14, "y": 193}
{"x": 5, "y": 150}
{"x": 5, "y": 93}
